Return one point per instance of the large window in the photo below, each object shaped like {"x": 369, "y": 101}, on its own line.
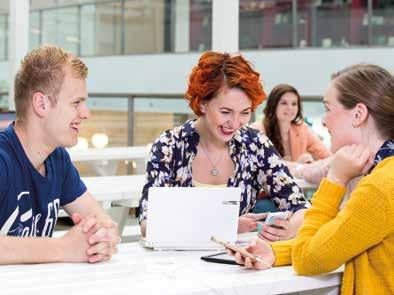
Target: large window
{"x": 265, "y": 24}
{"x": 61, "y": 27}
{"x": 315, "y": 23}
{"x": 382, "y": 23}
{"x": 101, "y": 29}
{"x": 116, "y": 27}
{"x": 337, "y": 24}
{"x": 105, "y": 27}
{"x": 35, "y": 36}
{"x": 3, "y": 36}
{"x": 145, "y": 26}
{"x": 88, "y": 30}
{"x": 200, "y": 25}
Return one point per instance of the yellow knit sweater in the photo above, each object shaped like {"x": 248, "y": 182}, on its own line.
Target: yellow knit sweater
{"x": 360, "y": 235}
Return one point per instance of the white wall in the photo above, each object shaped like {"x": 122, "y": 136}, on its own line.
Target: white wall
{"x": 156, "y": 73}
{"x": 308, "y": 70}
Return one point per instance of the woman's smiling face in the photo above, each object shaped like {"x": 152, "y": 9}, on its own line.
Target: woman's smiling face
{"x": 228, "y": 111}
{"x": 287, "y": 107}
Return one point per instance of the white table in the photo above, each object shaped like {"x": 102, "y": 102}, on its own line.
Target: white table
{"x": 135, "y": 270}
{"x": 109, "y": 153}
{"x": 125, "y": 189}
{"x": 105, "y": 160}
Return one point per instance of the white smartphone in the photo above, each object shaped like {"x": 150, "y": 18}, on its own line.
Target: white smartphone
{"x": 270, "y": 220}
{"x": 236, "y": 248}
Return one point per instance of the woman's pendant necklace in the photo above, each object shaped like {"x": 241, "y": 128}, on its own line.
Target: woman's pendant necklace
{"x": 214, "y": 171}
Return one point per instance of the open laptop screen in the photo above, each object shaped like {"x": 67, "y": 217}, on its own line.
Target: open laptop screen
{"x": 185, "y": 218}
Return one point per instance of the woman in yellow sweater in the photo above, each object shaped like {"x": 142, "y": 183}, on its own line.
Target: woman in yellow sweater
{"x": 360, "y": 118}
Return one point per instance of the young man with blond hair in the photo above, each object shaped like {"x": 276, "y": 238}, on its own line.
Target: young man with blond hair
{"x": 36, "y": 173}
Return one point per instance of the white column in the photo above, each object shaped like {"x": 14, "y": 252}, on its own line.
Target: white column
{"x": 225, "y": 25}
{"x": 182, "y": 26}
{"x": 18, "y": 41}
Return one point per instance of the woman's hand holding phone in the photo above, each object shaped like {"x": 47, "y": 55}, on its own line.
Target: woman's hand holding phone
{"x": 248, "y": 222}
{"x": 259, "y": 249}
{"x": 235, "y": 248}
{"x": 276, "y": 227}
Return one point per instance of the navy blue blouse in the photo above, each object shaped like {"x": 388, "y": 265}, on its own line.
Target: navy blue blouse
{"x": 386, "y": 150}
{"x": 258, "y": 168}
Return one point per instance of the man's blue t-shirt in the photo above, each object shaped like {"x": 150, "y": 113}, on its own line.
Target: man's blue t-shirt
{"x": 29, "y": 202}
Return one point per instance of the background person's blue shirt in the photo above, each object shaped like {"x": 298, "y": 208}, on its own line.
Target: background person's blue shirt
{"x": 29, "y": 202}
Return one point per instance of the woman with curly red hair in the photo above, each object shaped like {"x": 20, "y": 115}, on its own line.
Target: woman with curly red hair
{"x": 218, "y": 149}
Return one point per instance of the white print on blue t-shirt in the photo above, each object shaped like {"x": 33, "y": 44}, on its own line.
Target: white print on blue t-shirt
{"x": 29, "y": 201}
{"x": 26, "y": 226}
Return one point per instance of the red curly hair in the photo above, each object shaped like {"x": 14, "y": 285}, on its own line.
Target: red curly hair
{"x": 215, "y": 70}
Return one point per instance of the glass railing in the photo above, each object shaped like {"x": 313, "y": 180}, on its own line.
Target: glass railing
{"x": 134, "y": 119}
{"x": 125, "y": 120}
{"x": 129, "y": 119}
{"x": 138, "y": 119}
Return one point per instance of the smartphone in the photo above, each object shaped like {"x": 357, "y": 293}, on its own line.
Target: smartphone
{"x": 270, "y": 220}
{"x": 221, "y": 257}
{"x": 236, "y": 248}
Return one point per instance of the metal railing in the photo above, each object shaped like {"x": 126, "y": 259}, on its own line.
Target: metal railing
{"x": 131, "y": 98}
{"x": 131, "y": 106}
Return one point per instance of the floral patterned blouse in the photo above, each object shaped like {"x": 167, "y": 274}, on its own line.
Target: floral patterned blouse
{"x": 258, "y": 168}
{"x": 386, "y": 150}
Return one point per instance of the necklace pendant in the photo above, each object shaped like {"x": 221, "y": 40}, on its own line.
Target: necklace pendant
{"x": 214, "y": 171}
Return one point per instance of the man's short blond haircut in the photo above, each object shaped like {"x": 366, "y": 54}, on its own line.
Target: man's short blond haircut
{"x": 43, "y": 70}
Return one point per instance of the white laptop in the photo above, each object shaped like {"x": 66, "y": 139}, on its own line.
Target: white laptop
{"x": 185, "y": 218}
